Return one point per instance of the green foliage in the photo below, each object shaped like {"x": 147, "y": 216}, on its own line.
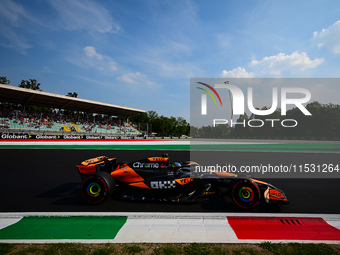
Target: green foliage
{"x": 104, "y": 251}
{"x": 168, "y": 250}
{"x": 244, "y": 250}
{"x": 197, "y": 249}
{"x": 66, "y": 249}
{"x": 218, "y": 251}
{"x": 5, "y": 248}
{"x": 4, "y": 80}
{"x": 133, "y": 249}
{"x": 220, "y": 131}
{"x": 33, "y": 250}
{"x": 273, "y": 247}
{"x": 161, "y": 125}
{"x": 70, "y": 94}
{"x": 298, "y": 248}
{"x": 191, "y": 249}
{"x": 30, "y": 84}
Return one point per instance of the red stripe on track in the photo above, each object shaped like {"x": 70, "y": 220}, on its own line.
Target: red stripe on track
{"x": 286, "y": 228}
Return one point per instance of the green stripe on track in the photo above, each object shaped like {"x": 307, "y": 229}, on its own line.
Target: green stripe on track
{"x": 43, "y": 228}
{"x": 278, "y": 145}
{"x": 270, "y": 147}
{"x": 266, "y": 147}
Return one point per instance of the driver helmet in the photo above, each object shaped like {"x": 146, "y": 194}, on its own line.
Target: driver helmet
{"x": 176, "y": 165}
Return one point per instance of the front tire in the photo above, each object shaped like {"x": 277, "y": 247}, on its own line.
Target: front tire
{"x": 97, "y": 187}
{"x": 245, "y": 193}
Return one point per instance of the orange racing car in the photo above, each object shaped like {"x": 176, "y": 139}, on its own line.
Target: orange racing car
{"x": 155, "y": 178}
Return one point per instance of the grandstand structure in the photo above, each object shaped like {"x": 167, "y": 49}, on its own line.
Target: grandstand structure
{"x": 39, "y": 125}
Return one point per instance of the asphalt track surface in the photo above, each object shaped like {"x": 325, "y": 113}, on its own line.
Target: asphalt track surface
{"x": 47, "y": 181}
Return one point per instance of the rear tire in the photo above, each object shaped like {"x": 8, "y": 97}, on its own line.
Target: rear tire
{"x": 245, "y": 193}
{"x": 97, "y": 187}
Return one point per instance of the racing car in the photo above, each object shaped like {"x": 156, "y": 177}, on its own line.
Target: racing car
{"x": 157, "y": 179}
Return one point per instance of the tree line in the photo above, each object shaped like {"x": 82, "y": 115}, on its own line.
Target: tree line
{"x": 30, "y": 84}
{"x": 152, "y": 123}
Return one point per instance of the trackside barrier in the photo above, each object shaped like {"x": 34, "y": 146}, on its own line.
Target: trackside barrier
{"x": 28, "y": 136}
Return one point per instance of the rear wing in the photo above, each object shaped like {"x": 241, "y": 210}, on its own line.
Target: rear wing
{"x": 97, "y": 164}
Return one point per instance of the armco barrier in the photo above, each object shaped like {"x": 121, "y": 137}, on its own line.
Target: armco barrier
{"x": 21, "y": 136}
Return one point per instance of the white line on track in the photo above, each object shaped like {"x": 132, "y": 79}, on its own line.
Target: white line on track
{"x": 7, "y": 221}
{"x": 187, "y": 215}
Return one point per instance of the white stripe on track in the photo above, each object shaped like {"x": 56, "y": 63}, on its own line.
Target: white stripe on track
{"x": 176, "y": 230}
{"x": 5, "y": 222}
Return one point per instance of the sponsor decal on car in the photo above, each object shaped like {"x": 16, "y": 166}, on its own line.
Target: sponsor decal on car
{"x": 145, "y": 165}
{"x": 163, "y": 184}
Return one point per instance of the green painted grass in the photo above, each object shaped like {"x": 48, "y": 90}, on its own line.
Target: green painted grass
{"x": 42, "y": 228}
